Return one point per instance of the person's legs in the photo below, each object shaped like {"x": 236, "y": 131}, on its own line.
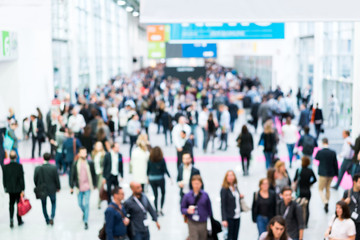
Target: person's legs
{"x": 290, "y": 148}
{"x": 226, "y": 141}
{"x": 243, "y": 163}
{"x": 193, "y": 232}
{"x": 236, "y": 228}
{"x": 80, "y": 202}
{"x": 202, "y": 231}
{"x": 357, "y": 226}
{"x": 261, "y": 222}
{"x": 205, "y": 137}
{"x": 231, "y": 229}
{"x": 39, "y": 141}
{"x": 165, "y": 135}
{"x": 322, "y": 185}
{"x": 86, "y": 205}
{"x": 328, "y": 183}
{"x": 154, "y": 187}
{"x": 43, "y": 204}
{"x": 267, "y": 159}
{"x": 163, "y": 191}
{"x": 33, "y": 147}
{"x": 12, "y": 199}
{"x": 307, "y": 212}
{"x": 53, "y": 205}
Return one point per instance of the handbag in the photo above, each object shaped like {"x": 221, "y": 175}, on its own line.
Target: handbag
{"x": 8, "y": 142}
{"x": 23, "y": 206}
{"x": 243, "y": 205}
{"x": 103, "y": 195}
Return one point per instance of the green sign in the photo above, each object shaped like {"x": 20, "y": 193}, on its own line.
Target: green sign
{"x": 6, "y": 43}
{"x": 8, "y": 46}
{"x": 156, "y": 49}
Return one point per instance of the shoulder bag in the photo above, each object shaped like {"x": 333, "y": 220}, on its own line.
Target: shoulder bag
{"x": 102, "y": 231}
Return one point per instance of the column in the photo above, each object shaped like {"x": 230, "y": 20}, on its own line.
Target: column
{"x": 318, "y": 64}
{"x": 356, "y": 82}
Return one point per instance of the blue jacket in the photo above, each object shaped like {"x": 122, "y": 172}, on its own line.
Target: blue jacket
{"x": 114, "y": 222}
{"x": 68, "y": 149}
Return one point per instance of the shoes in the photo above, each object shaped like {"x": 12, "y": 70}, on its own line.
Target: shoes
{"x": 11, "y": 224}
{"x": 326, "y": 208}
{"x": 161, "y": 212}
{"x": 86, "y": 226}
{"x": 21, "y": 223}
{"x": 334, "y": 187}
{"x": 51, "y": 222}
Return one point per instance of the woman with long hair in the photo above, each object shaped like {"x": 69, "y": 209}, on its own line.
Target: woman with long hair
{"x": 98, "y": 155}
{"x": 263, "y": 206}
{"x": 268, "y": 140}
{"x": 281, "y": 176}
{"x": 230, "y": 205}
{"x": 341, "y": 226}
{"x": 276, "y": 230}
{"x": 139, "y": 160}
{"x": 270, "y": 175}
{"x": 156, "y": 170}
{"x": 211, "y": 126}
{"x": 245, "y": 145}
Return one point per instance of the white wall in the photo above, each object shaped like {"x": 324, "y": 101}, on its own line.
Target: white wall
{"x": 27, "y": 83}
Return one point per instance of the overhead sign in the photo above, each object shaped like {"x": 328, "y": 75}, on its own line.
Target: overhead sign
{"x": 211, "y": 11}
{"x": 191, "y": 50}
{"x": 8, "y": 46}
{"x": 156, "y": 50}
{"x": 226, "y": 31}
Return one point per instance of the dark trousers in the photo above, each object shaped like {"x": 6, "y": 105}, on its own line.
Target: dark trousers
{"x": 223, "y": 138}
{"x": 317, "y": 130}
{"x": 345, "y": 166}
{"x": 141, "y": 236}
{"x": 53, "y": 151}
{"x": 14, "y": 198}
{"x": 166, "y": 130}
{"x": 53, "y": 207}
{"x": 357, "y": 226}
{"x": 233, "y": 228}
{"x": 205, "y": 133}
{"x": 246, "y": 156}
{"x": 212, "y": 137}
{"x": 59, "y": 160}
{"x": 132, "y": 143}
{"x": 179, "y": 158}
{"x": 155, "y": 185}
{"x": 111, "y": 181}
{"x": 34, "y": 141}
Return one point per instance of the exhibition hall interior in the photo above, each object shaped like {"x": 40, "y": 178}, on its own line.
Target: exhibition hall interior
{"x": 181, "y": 120}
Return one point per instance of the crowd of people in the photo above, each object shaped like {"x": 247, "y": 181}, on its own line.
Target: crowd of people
{"x": 85, "y": 137}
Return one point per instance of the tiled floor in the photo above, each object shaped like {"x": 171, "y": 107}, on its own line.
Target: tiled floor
{"x": 68, "y": 224}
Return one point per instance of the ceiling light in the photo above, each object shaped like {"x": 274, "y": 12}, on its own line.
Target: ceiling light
{"x": 121, "y": 2}
{"x": 135, "y": 14}
{"x": 129, "y": 9}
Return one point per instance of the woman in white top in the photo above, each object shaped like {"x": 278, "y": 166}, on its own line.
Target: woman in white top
{"x": 341, "y": 226}
{"x": 290, "y": 134}
{"x": 97, "y": 156}
{"x": 139, "y": 160}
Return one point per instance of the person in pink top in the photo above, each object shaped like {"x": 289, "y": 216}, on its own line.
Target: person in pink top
{"x": 83, "y": 178}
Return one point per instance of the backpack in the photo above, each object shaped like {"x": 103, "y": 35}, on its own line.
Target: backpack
{"x": 247, "y": 102}
{"x": 308, "y": 145}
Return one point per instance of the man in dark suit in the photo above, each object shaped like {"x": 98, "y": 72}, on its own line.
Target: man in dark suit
{"x": 47, "y": 176}
{"x": 14, "y": 185}
{"x": 113, "y": 167}
{"x": 304, "y": 119}
{"x": 37, "y": 131}
{"x": 186, "y": 172}
{"x": 318, "y": 121}
{"x": 328, "y": 168}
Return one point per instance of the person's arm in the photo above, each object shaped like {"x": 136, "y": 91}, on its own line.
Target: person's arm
{"x": 57, "y": 180}
{"x": 184, "y": 205}
{"x": 223, "y": 206}
{"x": 151, "y": 211}
{"x": 109, "y": 226}
{"x": 106, "y": 163}
{"x": 22, "y": 182}
{"x": 209, "y": 208}
{"x": 313, "y": 177}
{"x": 121, "y": 166}
{"x": 93, "y": 174}
{"x": 336, "y": 166}
{"x": 296, "y": 176}
{"x": 301, "y": 234}
{"x": 253, "y": 208}
{"x": 36, "y": 173}
{"x": 166, "y": 169}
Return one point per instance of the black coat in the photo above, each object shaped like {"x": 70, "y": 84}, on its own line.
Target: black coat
{"x": 255, "y": 205}
{"x": 328, "y": 165}
{"x": 246, "y": 143}
{"x": 304, "y": 118}
{"x": 107, "y": 166}
{"x": 318, "y": 116}
{"x": 74, "y": 178}
{"x": 194, "y": 171}
{"x": 41, "y": 129}
{"x": 13, "y": 178}
{"x": 47, "y": 174}
{"x": 228, "y": 204}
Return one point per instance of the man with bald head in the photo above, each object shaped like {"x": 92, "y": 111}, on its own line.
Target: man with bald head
{"x": 178, "y": 138}
{"x": 137, "y": 207}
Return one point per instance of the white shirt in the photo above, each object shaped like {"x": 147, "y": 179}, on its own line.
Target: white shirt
{"x": 114, "y": 163}
{"x": 290, "y": 133}
{"x": 342, "y": 229}
{"x": 225, "y": 120}
{"x": 34, "y": 127}
{"x": 97, "y": 163}
{"x": 178, "y": 141}
{"x": 236, "y": 194}
{"x": 76, "y": 123}
{"x": 346, "y": 150}
{"x": 139, "y": 162}
{"x": 186, "y": 179}
{"x": 203, "y": 117}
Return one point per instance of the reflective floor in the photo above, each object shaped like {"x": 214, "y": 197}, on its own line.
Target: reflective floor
{"x": 68, "y": 221}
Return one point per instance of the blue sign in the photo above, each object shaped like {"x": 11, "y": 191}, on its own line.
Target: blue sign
{"x": 226, "y": 31}
{"x": 199, "y": 50}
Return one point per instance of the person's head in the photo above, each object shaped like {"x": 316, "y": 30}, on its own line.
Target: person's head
{"x": 286, "y": 194}
{"x": 229, "y": 179}
{"x": 204, "y": 108}
{"x": 182, "y": 120}
{"x": 196, "y": 183}
{"x": 13, "y": 124}
{"x": 135, "y": 117}
{"x": 118, "y": 194}
{"x": 142, "y": 142}
{"x": 288, "y": 120}
{"x": 345, "y": 134}
{"x": 156, "y": 155}
{"x": 101, "y": 134}
{"x": 280, "y": 167}
{"x": 306, "y": 129}
{"x": 82, "y": 153}
{"x": 32, "y": 117}
{"x": 186, "y": 158}
{"x": 356, "y": 181}
{"x": 115, "y": 147}
{"x": 277, "y": 229}
{"x": 342, "y": 210}
{"x": 325, "y": 142}
{"x": 268, "y": 126}
{"x": 136, "y": 188}
{"x": 13, "y": 155}
{"x": 70, "y": 133}
{"x": 264, "y": 184}
{"x": 244, "y": 129}
{"x": 183, "y": 134}
{"x": 74, "y": 111}
{"x": 305, "y": 161}
{"x": 302, "y": 107}
{"x": 99, "y": 147}
{"x": 221, "y": 107}
{"x": 47, "y": 156}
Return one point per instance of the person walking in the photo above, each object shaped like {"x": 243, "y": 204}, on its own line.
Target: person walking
{"x": 263, "y": 206}
{"x": 156, "y": 170}
{"x": 133, "y": 130}
{"x": 304, "y": 179}
{"x": 203, "y": 117}
{"x": 210, "y": 128}
{"x": 304, "y": 119}
{"x": 292, "y": 213}
{"x": 14, "y": 185}
{"x": 179, "y": 142}
{"x": 37, "y": 131}
{"x": 224, "y": 124}
{"x": 276, "y": 230}
{"x": 308, "y": 144}
{"x": 76, "y": 122}
{"x": 245, "y": 145}
{"x": 113, "y": 168}
{"x": 83, "y": 178}
{"x": 115, "y": 217}
{"x": 139, "y": 160}
{"x": 352, "y": 198}
{"x": 281, "y": 177}
{"x": 341, "y": 226}
{"x": 268, "y": 140}
{"x": 318, "y": 120}
{"x": 137, "y": 206}
{"x": 230, "y": 205}
{"x": 70, "y": 149}
{"x": 98, "y": 156}
{"x": 346, "y": 154}
{"x": 196, "y": 206}
{"x": 290, "y": 134}
{"x": 12, "y": 135}
{"x": 185, "y": 174}
{"x": 47, "y": 176}
{"x": 328, "y": 168}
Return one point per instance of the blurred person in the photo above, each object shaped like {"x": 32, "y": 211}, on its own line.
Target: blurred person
{"x": 308, "y": 144}
{"x": 37, "y": 132}
{"x": 76, "y": 122}
{"x": 193, "y": 116}
{"x": 86, "y": 140}
{"x": 179, "y": 141}
{"x": 137, "y": 206}
{"x": 281, "y": 176}
{"x": 133, "y": 130}
{"x": 211, "y": 127}
{"x": 245, "y": 145}
{"x": 196, "y": 206}
{"x": 203, "y": 117}
{"x": 224, "y": 124}
{"x": 328, "y": 168}
{"x": 233, "y": 110}
{"x": 318, "y": 121}
{"x": 83, "y": 178}
{"x": 333, "y": 111}
{"x": 12, "y": 135}
{"x": 268, "y": 139}
{"x": 254, "y": 112}
{"x": 304, "y": 119}
{"x": 60, "y": 137}
{"x": 98, "y": 155}
{"x": 51, "y": 133}
{"x": 263, "y": 206}
{"x": 14, "y": 185}
{"x": 185, "y": 173}
{"x": 46, "y": 176}
{"x": 101, "y": 137}
{"x": 70, "y": 149}
{"x": 276, "y": 230}
{"x": 356, "y": 147}
{"x": 156, "y": 171}
{"x": 139, "y": 160}
{"x": 166, "y": 121}
{"x": 290, "y": 134}
{"x": 146, "y": 120}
